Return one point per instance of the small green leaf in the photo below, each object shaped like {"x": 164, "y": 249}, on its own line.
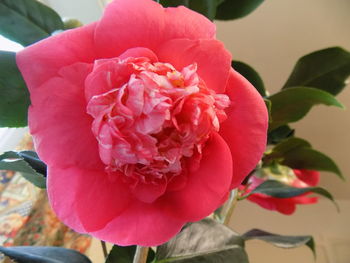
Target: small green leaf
{"x": 28, "y": 254}
{"x": 297, "y": 153}
{"x": 15, "y": 162}
{"x": 14, "y": 100}
{"x": 288, "y": 145}
{"x": 251, "y": 75}
{"x": 205, "y": 7}
{"x": 291, "y": 105}
{"x": 325, "y": 69}
{"x": 310, "y": 159}
{"x": 234, "y": 9}
{"x": 121, "y": 254}
{"x": 203, "y": 242}
{"x": 279, "y": 134}
{"x": 279, "y": 190}
{"x": 27, "y": 21}
{"x": 281, "y": 241}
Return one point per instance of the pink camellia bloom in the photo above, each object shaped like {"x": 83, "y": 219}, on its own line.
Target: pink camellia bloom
{"x": 287, "y": 206}
{"x": 141, "y": 120}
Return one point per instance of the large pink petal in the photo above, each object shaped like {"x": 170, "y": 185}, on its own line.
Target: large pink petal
{"x": 206, "y": 187}
{"x": 42, "y": 61}
{"x": 86, "y": 200}
{"x": 143, "y": 224}
{"x": 213, "y": 60}
{"x": 144, "y": 23}
{"x": 59, "y": 123}
{"x": 245, "y": 130}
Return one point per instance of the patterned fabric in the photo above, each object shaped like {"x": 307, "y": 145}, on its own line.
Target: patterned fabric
{"x": 26, "y": 218}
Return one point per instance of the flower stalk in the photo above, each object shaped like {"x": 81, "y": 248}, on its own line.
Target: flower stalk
{"x": 141, "y": 254}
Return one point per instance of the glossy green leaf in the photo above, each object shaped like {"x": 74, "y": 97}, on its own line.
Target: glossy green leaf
{"x": 14, "y": 101}
{"x": 251, "y": 75}
{"x": 277, "y": 189}
{"x": 27, "y": 21}
{"x": 234, "y": 9}
{"x": 279, "y": 134}
{"x": 297, "y": 153}
{"x": 16, "y": 162}
{"x": 291, "y": 105}
{"x": 28, "y": 254}
{"x": 310, "y": 159}
{"x": 325, "y": 69}
{"x": 203, "y": 242}
{"x": 288, "y": 145}
{"x": 121, "y": 254}
{"x": 205, "y": 7}
{"x": 281, "y": 241}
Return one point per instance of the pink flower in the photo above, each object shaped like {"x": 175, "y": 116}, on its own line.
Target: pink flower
{"x": 141, "y": 120}
{"x": 287, "y": 206}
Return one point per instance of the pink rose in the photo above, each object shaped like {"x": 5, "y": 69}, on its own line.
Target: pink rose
{"x": 287, "y": 206}
{"x": 141, "y": 120}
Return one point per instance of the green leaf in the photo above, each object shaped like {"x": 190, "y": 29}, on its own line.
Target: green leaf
{"x": 251, "y": 75}
{"x": 281, "y": 241}
{"x": 121, "y": 254}
{"x": 205, "y": 7}
{"x": 234, "y": 9}
{"x": 14, "y": 100}
{"x": 15, "y": 162}
{"x": 279, "y": 134}
{"x": 288, "y": 145}
{"x": 325, "y": 69}
{"x": 297, "y": 153}
{"x": 291, "y": 105}
{"x": 27, "y": 21}
{"x": 28, "y": 254}
{"x": 310, "y": 159}
{"x": 279, "y": 190}
{"x": 203, "y": 242}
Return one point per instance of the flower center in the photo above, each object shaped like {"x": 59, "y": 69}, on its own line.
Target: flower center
{"x": 150, "y": 118}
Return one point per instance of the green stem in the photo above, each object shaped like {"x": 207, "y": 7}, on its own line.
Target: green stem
{"x": 231, "y": 207}
{"x": 104, "y": 249}
{"x": 141, "y": 254}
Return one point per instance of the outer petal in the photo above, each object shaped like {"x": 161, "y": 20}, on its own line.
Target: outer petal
{"x": 42, "y": 61}
{"x": 213, "y": 60}
{"x": 142, "y": 224}
{"x": 245, "y": 130}
{"x": 85, "y": 200}
{"x": 144, "y": 23}
{"x": 310, "y": 177}
{"x": 58, "y": 120}
{"x": 206, "y": 187}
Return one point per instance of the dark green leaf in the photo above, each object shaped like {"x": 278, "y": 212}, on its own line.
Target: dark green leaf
{"x": 281, "y": 241}
{"x": 27, "y": 21}
{"x": 297, "y": 153}
{"x": 290, "y": 105}
{"x": 34, "y": 161}
{"x": 279, "y": 190}
{"x": 44, "y": 255}
{"x": 251, "y": 75}
{"x": 204, "y": 242}
{"x": 14, "y": 100}
{"x": 233, "y": 9}
{"x": 205, "y": 7}
{"x": 310, "y": 159}
{"x": 279, "y": 134}
{"x": 288, "y": 145}
{"x": 15, "y": 162}
{"x": 121, "y": 254}
{"x": 325, "y": 69}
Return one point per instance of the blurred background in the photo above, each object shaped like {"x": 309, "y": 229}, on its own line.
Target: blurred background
{"x": 271, "y": 39}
